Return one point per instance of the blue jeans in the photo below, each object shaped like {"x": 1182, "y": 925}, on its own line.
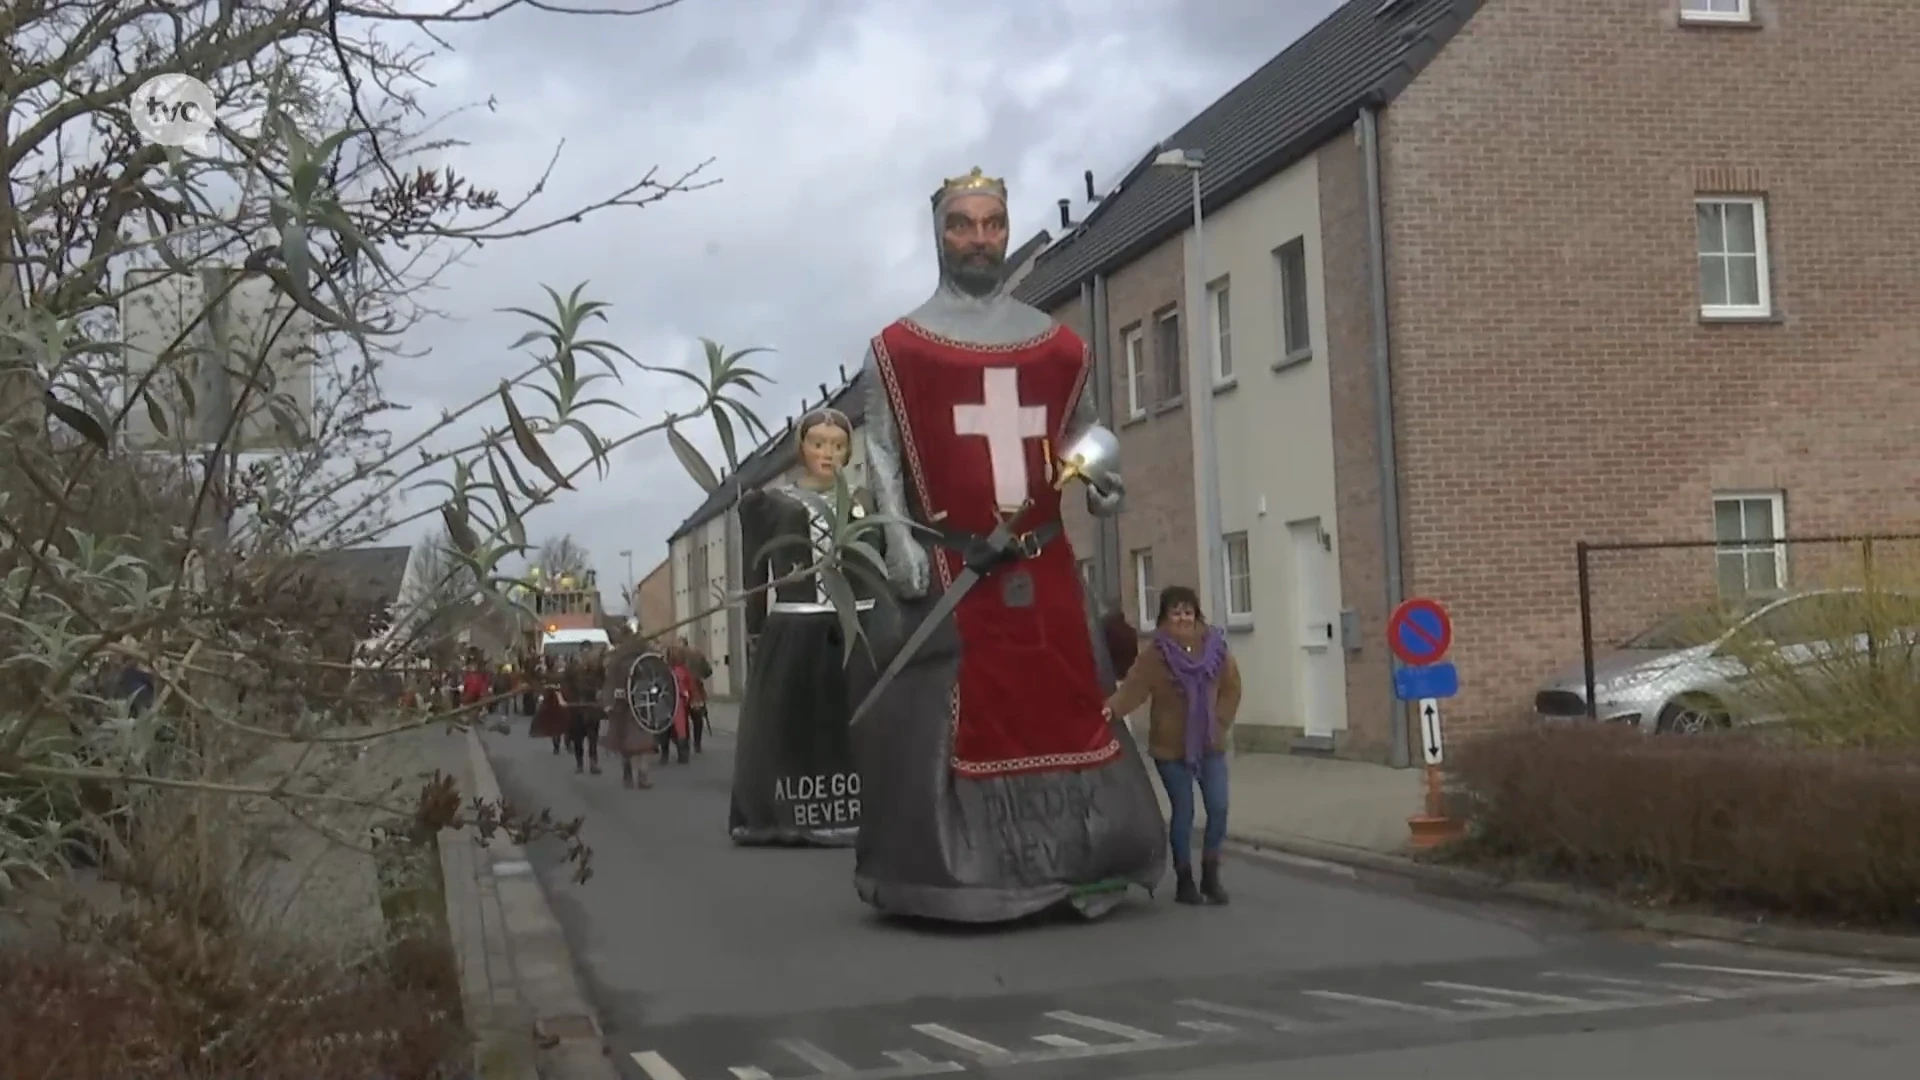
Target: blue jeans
{"x": 1178, "y": 780}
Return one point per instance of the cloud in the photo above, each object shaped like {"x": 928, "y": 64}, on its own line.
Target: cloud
{"x": 829, "y": 122}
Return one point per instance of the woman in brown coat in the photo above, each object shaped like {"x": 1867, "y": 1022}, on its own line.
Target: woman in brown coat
{"x": 1191, "y": 686}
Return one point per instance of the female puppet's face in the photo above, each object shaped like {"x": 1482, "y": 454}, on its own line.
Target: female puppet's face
{"x": 823, "y": 450}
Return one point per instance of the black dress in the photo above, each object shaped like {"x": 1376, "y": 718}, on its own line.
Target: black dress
{"x": 794, "y": 778}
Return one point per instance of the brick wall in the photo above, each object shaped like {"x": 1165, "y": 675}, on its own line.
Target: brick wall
{"x": 1553, "y": 378}
{"x": 655, "y": 606}
{"x": 1156, "y": 451}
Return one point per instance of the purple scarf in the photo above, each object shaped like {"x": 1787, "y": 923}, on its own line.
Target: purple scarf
{"x": 1196, "y": 673}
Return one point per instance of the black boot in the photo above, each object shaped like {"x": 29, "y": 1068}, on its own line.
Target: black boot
{"x": 1210, "y": 888}
{"x": 1184, "y": 890}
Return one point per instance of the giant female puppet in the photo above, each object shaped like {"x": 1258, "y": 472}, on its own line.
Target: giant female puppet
{"x": 794, "y": 780}
{"x": 995, "y": 784}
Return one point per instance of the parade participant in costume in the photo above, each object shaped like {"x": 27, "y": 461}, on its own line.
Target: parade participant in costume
{"x": 550, "y": 719}
{"x": 995, "y": 783}
{"x": 794, "y": 779}
{"x": 625, "y": 736}
{"x": 580, "y": 693}
{"x": 677, "y": 735}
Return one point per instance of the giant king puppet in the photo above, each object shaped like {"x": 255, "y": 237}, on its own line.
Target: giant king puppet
{"x": 995, "y": 783}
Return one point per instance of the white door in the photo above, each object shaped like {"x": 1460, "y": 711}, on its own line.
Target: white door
{"x": 1313, "y": 590}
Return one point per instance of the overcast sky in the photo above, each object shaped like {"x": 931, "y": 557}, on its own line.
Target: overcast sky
{"x": 830, "y": 122}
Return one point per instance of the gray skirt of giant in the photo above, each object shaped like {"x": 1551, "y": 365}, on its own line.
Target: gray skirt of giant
{"x": 794, "y": 777}
{"x": 938, "y": 845}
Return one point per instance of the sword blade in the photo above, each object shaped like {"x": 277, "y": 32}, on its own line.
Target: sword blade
{"x": 942, "y": 609}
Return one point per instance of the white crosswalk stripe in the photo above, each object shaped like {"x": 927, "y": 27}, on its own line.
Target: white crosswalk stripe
{"x": 971, "y": 1045}
{"x": 657, "y": 1067}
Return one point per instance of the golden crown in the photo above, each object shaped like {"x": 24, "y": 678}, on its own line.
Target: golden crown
{"x": 974, "y": 182}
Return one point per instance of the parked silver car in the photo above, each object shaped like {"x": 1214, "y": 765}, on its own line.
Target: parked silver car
{"x": 1680, "y": 675}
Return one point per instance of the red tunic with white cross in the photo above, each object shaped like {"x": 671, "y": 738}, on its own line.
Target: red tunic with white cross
{"x": 980, "y": 428}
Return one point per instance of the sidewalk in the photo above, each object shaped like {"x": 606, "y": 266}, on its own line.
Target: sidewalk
{"x": 1282, "y": 797}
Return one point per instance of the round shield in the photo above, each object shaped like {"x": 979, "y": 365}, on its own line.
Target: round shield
{"x": 651, "y": 692}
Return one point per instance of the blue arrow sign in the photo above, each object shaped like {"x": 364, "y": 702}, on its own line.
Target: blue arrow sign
{"x": 1426, "y": 681}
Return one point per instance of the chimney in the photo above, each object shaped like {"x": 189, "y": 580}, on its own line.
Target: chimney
{"x": 826, "y": 395}
{"x": 1092, "y": 196}
{"x": 843, "y": 374}
{"x": 1066, "y": 218}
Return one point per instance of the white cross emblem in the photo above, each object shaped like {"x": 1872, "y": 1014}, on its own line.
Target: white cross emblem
{"x": 1006, "y": 425}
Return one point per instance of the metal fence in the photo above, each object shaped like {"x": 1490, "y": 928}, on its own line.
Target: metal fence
{"x": 1632, "y": 590}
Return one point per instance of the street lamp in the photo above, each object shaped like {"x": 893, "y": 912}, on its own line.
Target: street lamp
{"x": 632, "y": 609}
{"x": 1206, "y": 445}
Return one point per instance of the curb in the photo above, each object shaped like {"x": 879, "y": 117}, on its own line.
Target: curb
{"x": 1853, "y": 944}
{"x": 539, "y": 1009}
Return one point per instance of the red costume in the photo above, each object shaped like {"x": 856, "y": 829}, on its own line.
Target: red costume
{"x": 1028, "y": 697}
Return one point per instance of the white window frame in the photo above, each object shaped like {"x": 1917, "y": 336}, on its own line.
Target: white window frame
{"x": 1162, "y": 370}
{"x": 1133, "y": 346}
{"x": 1742, "y": 13}
{"x": 1763, "y": 274}
{"x": 1285, "y": 308}
{"x": 1777, "y": 510}
{"x": 1236, "y": 615}
{"x": 1146, "y": 598}
{"x": 1220, "y": 331}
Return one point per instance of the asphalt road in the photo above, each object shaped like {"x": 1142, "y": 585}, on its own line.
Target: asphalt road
{"x": 711, "y": 962}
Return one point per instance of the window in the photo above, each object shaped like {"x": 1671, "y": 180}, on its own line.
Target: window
{"x": 1733, "y": 256}
{"x": 1716, "y": 10}
{"x": 1745, "y": 564}
{"x": 1146, "y": 597}
{"x": 1290, "y": 300}
{"x": 1166, "y": 354}
{"x": 1136, "y": 372}
{"x": 1239, "y": 580}
{"x": 1220, "y": 309}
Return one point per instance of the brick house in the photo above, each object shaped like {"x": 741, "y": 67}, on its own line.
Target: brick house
{"x": 1641, "y": 274}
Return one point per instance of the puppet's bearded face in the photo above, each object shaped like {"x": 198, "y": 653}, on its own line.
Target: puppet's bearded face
{"x": 973, "y": 236}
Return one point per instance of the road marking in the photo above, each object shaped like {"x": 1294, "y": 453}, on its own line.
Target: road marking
{"x": 1108, "y": 1027}
{"x": 1518, "y": 995}
{"x": 1066, "y": 1042}
{"x": 1279, "y": 1023}
{"x": 813, "y": 1055}
{"x": 1685, "y": 991}
{"x": 1210, "y": 1027}
{"x": 1384, "y": 1003}
{"x": 655, "y": 1066}
{"x": 1759, "y": 973}
{"x": 1883, "y": 973}
{"x": 749, "y": 1072}
{"x": 952, "y": 1038}
{"x": 908, "y": 1064}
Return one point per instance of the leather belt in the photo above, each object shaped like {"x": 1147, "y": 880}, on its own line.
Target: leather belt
{"x": 1026, "y": 544}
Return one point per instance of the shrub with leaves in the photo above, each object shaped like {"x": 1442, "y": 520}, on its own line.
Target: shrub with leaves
{"x": 197, "y": 447}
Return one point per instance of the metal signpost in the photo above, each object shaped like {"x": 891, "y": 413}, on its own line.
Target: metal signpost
{"x": 1419, "y": 633}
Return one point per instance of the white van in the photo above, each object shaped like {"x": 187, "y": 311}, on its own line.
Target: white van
{"x": 561, "y": 644}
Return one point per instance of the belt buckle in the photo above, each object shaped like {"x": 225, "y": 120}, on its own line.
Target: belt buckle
{"x": 1027, "y": 544}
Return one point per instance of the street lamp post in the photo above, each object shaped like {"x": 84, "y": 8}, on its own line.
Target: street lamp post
{"x": 633, "y": 607}
{"x": 1206, "y": 445}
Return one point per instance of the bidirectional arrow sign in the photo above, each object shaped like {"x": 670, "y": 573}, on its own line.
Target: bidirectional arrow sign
{"x": 1431, "y": 742}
